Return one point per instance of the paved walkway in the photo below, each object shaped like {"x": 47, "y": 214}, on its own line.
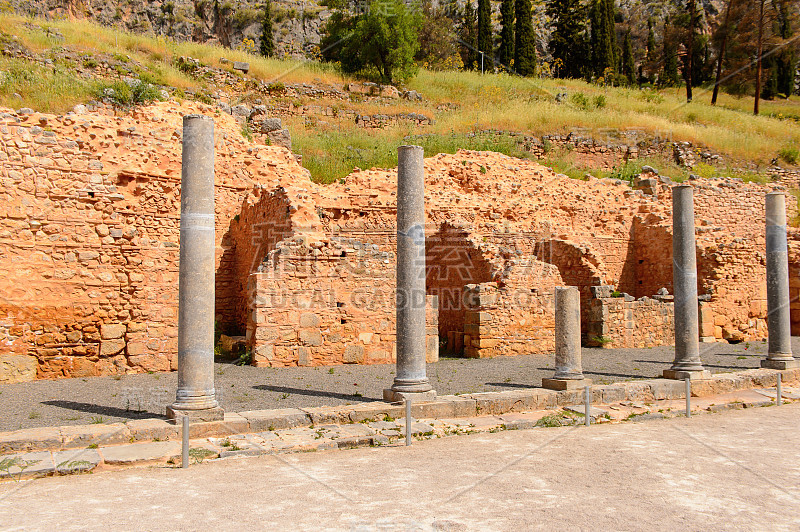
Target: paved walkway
{"x": 731, "y": 471}
{"x": 107, "y": 399}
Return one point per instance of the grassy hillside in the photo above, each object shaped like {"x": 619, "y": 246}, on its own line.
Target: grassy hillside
{"x": 331, "y": 149}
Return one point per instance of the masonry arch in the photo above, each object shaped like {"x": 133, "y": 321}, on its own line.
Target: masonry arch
{"x": 453, "y": 261}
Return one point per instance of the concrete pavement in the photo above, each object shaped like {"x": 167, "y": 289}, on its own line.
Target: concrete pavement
{"x": 731, "y": 471}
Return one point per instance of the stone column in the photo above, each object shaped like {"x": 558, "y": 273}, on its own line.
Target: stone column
{"x": 411, "y": 378}
{"x": 196, "y": 394}
{"x": 779, "y": 355}
{"x": 684, "y": 279}
{"x": 569, "y": 375}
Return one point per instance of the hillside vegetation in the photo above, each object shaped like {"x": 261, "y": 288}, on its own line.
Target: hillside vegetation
{"x": 51, "y": 66}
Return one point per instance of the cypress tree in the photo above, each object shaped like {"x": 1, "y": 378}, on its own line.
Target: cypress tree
{"x": 506, "y": 52}
{"x": 628, "y": 66}
{"x": 485, "y": 32}
{"x": 602, "y": 41}
{"x": 612, "y": 34}
{"x": 567, "y": 42}
{"x": 651, "y": 41}
{"x": 267, "y": 48}
{"x": 786, "y": 61}
{"x": 525, "y": 45}
{"x": 469, "y": 36}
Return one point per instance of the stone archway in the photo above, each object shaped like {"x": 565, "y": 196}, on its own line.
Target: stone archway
{"x": 452, "y": 262}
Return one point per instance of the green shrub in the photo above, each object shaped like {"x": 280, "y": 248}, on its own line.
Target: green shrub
{"x": 599, "y": 101}
{"x": 789, "y": 154}
{"x": 579, "y": 100}
{"x": 123, "y": 94}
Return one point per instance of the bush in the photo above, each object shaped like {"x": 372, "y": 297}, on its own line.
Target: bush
{"x": 580, "y": 100}
{"x": 276, "y": 87}
{"x": 789, "y": 154}
{"x": 124, "y": 94}
{"x": 599, "y": 101}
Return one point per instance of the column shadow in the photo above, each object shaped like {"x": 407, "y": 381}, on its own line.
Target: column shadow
{"x": 315, "y": 393}
{"x": 101, "y": 410}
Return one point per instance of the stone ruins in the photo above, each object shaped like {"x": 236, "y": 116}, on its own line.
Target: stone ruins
{"x": 90, "y": 221}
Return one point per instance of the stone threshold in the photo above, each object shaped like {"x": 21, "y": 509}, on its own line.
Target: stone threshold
{"x": 71, "y": 437}
{"x": 384, "y": 432}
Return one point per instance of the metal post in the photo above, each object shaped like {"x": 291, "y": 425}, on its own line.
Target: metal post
{"x": 411, "y": 374}
{"x": 481, "y": 62}
{"x": 684, "y": 279}
{"x": 185, "y": 446}
{"x": 196, "y": 396}
{"x": 688, "y": 382}
{"x": 779, "y": 354}
{"x": 408, "y": 421}
{"x": 588, "y": 399}
{"x": 778, "y": 389}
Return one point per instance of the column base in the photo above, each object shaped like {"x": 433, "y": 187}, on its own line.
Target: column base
{"x": 393, "y": 396}
{"x": 566, "y": 384}
{"x": 780, "y": 364}
{"x": 682, "y": 374}
{"x": 205, "y": 414}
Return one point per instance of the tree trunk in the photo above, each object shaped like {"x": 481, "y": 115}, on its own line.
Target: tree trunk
{"x": 721, "y": 53}
{"x": 760, "y": 51}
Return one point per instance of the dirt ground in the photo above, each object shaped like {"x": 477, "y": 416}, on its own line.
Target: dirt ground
{"x": 106, "y": 399}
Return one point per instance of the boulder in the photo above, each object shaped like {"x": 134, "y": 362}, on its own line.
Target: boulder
{"x": 268, "y": 125}
{"x": 281, "y": 137}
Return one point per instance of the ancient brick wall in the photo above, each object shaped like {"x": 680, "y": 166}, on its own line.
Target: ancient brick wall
{"x": 263, "y": 221}
{"x": 321, "y": 302}
{"x": 89, "y": 233}
{"x": 452, "y": 263}
{"x": 617, "y": 322}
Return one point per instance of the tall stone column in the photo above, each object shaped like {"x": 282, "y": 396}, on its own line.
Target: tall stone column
{"x": 196, "y": 396}
{"x": 684, "y": 279}
{"x": 779, "y": 355}
{"x": 411, "y": 380}
{"x": 569, "y": 374}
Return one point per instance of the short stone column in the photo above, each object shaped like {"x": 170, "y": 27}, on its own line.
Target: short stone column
{"x": 569, "y": 374}
{"x": 411, "y": 380}
{"x": 779, "y": 355}
{"x": 196, "y": 396}
{"x": 684, "y": 279}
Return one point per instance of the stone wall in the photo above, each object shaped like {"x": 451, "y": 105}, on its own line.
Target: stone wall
{"x": 89, "y": 231}
{"x": 322, "y": 302}
{"x": 89, "y": 228}
{"x": 617, "y": 322}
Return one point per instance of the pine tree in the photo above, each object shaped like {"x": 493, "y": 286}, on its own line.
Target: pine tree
{"x": 628, "y": 66}
{"x": 688, "y": 68}
{"x": 567, "y": 41}
{"x": 506, "y": 52}
{"x": 723, "y": 37}
{"x": 525, "y": 45}
{"x": 468, "y": 34}
{"x": 267, "y": 43}
{"x": 485, "y": 31}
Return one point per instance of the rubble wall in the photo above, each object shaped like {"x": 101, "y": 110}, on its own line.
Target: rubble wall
{"x": 89, "y": 233}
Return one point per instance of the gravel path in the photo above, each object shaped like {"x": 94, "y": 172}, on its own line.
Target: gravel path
{"x": 108, "y": 399}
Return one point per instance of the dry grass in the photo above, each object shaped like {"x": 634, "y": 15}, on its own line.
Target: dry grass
{"x": 497, "y": 102}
